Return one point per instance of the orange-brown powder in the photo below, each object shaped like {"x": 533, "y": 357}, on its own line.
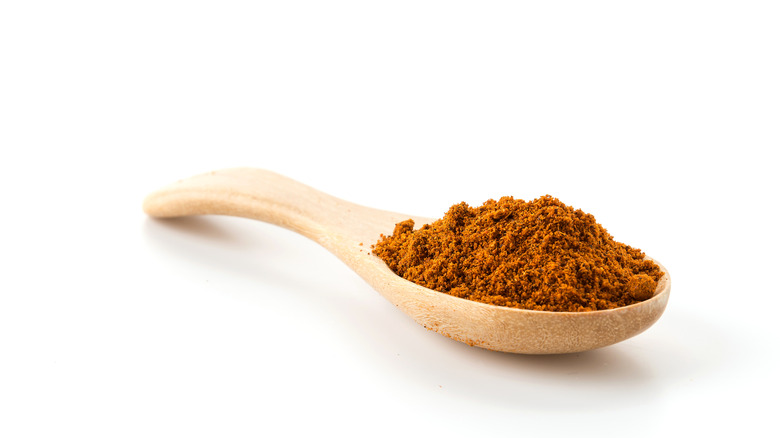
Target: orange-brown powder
{"x": 537, "y": 255}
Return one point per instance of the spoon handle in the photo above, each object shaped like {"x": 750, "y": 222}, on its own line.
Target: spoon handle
{"x": 273, "y": 198}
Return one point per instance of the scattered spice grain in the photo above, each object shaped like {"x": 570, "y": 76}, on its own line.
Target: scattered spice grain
{"x": 537, "y": 255}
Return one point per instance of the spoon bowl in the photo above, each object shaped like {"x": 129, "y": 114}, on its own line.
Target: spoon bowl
{"x": 348, "y": 230}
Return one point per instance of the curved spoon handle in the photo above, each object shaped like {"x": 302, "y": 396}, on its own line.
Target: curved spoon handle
{"x": 270, "y": 197}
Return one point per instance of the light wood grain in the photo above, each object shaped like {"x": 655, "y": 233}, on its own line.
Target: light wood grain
{"x": 341, "y": 227}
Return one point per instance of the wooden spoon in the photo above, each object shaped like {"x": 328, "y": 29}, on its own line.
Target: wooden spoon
{"x": 348, "y": 230}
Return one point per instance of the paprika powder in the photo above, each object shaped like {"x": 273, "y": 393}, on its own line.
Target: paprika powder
{"x": 536, "y": 255}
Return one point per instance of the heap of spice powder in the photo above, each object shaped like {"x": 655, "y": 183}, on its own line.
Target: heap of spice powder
{"x": 537, "y": 255}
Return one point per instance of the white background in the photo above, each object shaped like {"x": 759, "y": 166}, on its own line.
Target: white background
{"x": 661, "y": 118}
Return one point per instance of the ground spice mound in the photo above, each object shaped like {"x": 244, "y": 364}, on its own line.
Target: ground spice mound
{"x": 537, "y": 255}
